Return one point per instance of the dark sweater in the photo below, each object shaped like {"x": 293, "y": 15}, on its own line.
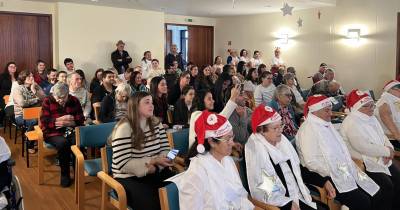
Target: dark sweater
{"x": 182, "y": 113}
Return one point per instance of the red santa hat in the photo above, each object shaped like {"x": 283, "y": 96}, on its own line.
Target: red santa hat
{"x": 356, "y": 99}
{"x": 210, "y": 125}
{"x": 390, "y": 84}
{"x": 315, "y": 103}
{"x": 263, "y": 115}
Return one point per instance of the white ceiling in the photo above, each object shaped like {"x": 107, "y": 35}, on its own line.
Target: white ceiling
{"x": 207, "y": 8}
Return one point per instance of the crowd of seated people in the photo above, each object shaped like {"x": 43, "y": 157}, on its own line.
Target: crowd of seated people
{"x": 247, "y": 107}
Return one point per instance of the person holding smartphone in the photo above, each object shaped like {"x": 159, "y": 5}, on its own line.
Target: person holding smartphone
{"x": 140, "y": 147}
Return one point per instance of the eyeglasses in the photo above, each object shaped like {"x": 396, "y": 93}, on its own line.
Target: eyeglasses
{"x": 226, "y": 138}
{"x": 289, "y": 95}
{"x": 371, "y": 106}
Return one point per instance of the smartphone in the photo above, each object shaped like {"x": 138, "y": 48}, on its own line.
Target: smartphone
{"x": 172, "y": 154}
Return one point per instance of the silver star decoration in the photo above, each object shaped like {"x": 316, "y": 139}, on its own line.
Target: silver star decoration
{"x": 268, "y": 184}
{"x": 300, "y": 22}
{"x": 344, "y": 169}
{"x": 286, "y": 9}
{"x": 362, "y": 176}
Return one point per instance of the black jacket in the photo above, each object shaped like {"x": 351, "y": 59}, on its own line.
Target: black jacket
{"x": 126, "y": 60}
{"x": 170, "y": 58}
{"x": 181, "y": 113}
{"x": 5, "y": 85}
{"x": 107, "y": 110}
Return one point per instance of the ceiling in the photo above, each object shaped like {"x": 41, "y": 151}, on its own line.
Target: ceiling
{"x": 207, "y": 8}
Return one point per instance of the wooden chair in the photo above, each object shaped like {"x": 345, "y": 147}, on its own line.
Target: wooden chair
{"x": 32, "y": 113}
{"x": 170, "y": 117}
{"x": 44, "y": 150}
{"x": 111, "y": 190}
{"x": 92, "y": 136}
{"x": 169, "y": 197}
{"x": 96, "y": 108}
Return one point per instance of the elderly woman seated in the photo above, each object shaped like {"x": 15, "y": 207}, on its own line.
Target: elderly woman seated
{"x": 115, "y": 106}
{"x": 273, "y": 167}
{"x": 212, "y": 180}
{"x": 388, "y": 112}
{"x": 281, "y": 102}
{"x": 367, "y": 142}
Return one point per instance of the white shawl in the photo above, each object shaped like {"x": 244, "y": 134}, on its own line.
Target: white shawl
{"x": 258, "y": 153}
{"x": 211, "y": 185}
{"x": 343, "y": 171}
{"x": 394, "y": 104}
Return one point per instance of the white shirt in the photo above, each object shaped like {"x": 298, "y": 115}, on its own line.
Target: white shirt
{"x": 5, "y": 152}
{"x": 211, "y": 185}
{"x": 322, "y": 150}
{"x": 10, "y": 99}
{"x": 366, "y": 141}
{"x": 394, "y": 105}
{"x": 259, "y": 153}
{"x": 297, "y": 95}
{"x": 277, "y": 61}
{"x": 256, "y": 62}
{"x": 245, "y": 59}
{"x": 249, "y": 86}
{"x": 146, "y": 66}
{"x": 263, "y": 95}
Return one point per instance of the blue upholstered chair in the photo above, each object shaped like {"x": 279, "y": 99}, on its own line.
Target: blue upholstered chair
{"x": 111, "y": 190}
{"x": 179, "y": 140}
{"x": 169, "y": 197}
{"x": 92, "y": 136}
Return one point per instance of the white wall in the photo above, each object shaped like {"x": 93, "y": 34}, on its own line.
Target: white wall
{"x": 367, "y": 66}
{"x": 88, "y": 34}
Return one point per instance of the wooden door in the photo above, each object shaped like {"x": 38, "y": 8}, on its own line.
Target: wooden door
{"x": 168, "y": 41}
{"x": 201, "y": 45}
{"x": 25, "y": 38}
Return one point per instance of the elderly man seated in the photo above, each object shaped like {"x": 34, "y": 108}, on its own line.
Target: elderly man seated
{"x": 366, "y": 141}
{"x": 323, "y": 151}
{"x": 61, "y": 112}
{"x": 388, "y": 111}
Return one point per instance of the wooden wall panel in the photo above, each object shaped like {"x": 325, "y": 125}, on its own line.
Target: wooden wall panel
{"x": 25, "y": 38}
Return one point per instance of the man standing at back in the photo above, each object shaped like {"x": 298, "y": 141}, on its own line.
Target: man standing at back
{"x": 120, "y": 58}
{"x": 173, "y": 56}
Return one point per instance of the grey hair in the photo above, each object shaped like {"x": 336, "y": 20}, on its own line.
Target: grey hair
{"x": 329, "y": 70}
{"x": 280, "y": 90}
{"x": 123, "y": 87}
{"x": 60, "y": 89}
{"x": 69, "y": 78}
{"x": 288, "y": 76}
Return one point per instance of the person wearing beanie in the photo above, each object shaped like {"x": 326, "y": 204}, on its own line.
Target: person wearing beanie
{"x": 272, "y": 164}
{"x": 322, "y": 150}
{"x": 366, "y": 141}
{"x": 388, "y": 111}
{"x": 212, "y": 180}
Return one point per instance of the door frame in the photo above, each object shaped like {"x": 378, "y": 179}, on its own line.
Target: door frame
{"x": 50, "y": 31}
{"x": 398, "y": 47}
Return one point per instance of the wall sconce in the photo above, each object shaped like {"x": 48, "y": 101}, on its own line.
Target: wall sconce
{"x": 353, "y": 34}
{"x": 284, "y": 39}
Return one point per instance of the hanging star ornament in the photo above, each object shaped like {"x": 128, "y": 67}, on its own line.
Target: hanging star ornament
{"x": 286, "y": 9}
{"x": 300, "y": 22}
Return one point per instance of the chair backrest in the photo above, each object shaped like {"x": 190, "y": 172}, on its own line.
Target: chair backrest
{"x": 106, "y": 159}
{"x": 96, "y": 108}
{"x": 169, "y": 197}
{"x": 181, "y": 140}
{"x": 6, "y": 98}
{"x": 31, "y": 113}
{"x": 93, "y": 135}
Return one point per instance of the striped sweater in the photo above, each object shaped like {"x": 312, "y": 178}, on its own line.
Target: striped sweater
{"x": 127, "y": 161}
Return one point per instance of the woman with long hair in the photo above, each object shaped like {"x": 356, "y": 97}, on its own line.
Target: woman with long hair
{"x": 140, "y": 145}
{"x": 176, "y": 92}
{"x": 158, "y": 89}
{"x": 204, "y": 79}
{"x": 96, "y": 80}
{"x": 136, "y": 82}
{"x": 7, "y": 78}
{"x": 222, "y": 91}
{"x": 184, "y": 107}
